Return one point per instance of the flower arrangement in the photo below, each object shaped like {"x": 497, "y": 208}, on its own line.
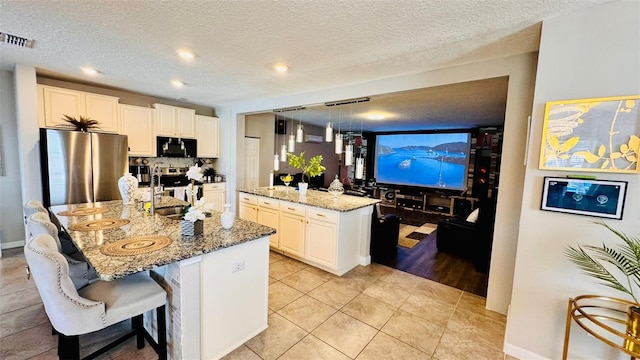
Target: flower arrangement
{"x": 197, "y": 211}
{"x": 194, "y": 174}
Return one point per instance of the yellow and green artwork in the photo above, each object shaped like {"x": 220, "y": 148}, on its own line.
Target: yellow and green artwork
{"x": 600, "y": 134}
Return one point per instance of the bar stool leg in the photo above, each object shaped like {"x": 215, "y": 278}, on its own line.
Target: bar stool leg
{"x": 136, "y": 324}
{"x": 162, "y": 333}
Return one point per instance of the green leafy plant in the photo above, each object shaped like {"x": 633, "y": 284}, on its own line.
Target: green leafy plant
{"x": 82, "y": 123}
{"x": 209, "y": 171}
{"x": 624, "y": 257}
{"x": 314, "y": 168}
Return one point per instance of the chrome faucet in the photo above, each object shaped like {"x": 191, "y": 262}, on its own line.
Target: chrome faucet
{"x": 156, "y": 170}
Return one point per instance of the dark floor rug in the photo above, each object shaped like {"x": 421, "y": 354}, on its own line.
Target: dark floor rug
{"x": 417, "y": 235}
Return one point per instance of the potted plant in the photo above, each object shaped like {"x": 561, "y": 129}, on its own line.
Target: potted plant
{"x": 623, "y": 274}
{"x": 313, "y": 168}
{"x": 81, "y": 124}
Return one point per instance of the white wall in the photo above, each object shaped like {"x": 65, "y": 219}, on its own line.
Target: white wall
{"x": 520, "y": 69}
{"x": 11, "y": 222}
{"x": 593, "y": 53}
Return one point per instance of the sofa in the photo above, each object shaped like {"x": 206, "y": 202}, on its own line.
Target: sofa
{"x": 470, "y": 235}
{"x": 385, "y": 230}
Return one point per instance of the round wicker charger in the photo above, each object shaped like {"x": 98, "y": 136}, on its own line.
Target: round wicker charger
{"x": 82, "y": 212}
{"x": 136, "y": 245}
{"x": 101, "y": 224}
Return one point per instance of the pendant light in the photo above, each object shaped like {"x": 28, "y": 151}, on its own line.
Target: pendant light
{"x": 348, "y": 154}
{"x": 359, "y": 168}
{"x": 283, "y": 147}
{"x": 276, "y": 158}
{"x": 299, "y": 132}
{"x": 360, "y": 160}
{"x": 328, "y": 132}
{"x": 338, "y": 146}
{"x": 348, "y": 150}
{"x": 292, "y": 139}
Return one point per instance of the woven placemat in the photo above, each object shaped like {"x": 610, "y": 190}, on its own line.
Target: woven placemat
{"x": 136, "y": 245}
{"x": 82, "y": 212}
{"x": 101, "y": 224}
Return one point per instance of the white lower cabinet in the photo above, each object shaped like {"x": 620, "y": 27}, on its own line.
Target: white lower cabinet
{"x": 268, "y": 215}
{"x": 292, "y": 228}
{"x": 215, "y": 194}
{"x": 320, "y": 243}
{"x": 331, "y": 240}
{"x": 248, "y": 207}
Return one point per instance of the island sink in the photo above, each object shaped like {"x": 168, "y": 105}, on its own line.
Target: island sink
{"x": 174, "y": 212}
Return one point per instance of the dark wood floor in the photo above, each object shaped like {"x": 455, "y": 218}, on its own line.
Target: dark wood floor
{"x": 426, "y": 261}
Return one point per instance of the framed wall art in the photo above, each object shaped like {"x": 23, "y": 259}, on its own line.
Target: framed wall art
{"x": 601, "y": 134}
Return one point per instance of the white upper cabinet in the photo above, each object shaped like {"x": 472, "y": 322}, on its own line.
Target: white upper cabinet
{"x": 137, "y": 123}
{"x": 207, "y": 136}
{"x": 175, "y": 121}
{"x": 55, "y": 102}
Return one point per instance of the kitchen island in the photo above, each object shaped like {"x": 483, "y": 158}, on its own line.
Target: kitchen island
{"x": 331, "y": 233}
{"x": 217, "y": 282}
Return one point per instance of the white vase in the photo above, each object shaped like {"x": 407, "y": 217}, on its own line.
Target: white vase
{"x": 227, "y": 217}
{"x": 128, "y": 185}
{"x": 302, "y": 188}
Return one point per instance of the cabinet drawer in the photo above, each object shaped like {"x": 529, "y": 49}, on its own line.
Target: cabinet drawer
{"x": 213, "y": 186}
{"x": 248, "y": 199}
{"x": 323, "y": 215}
{"x": 292, "y": 208}
{"x": 269, "y": 203}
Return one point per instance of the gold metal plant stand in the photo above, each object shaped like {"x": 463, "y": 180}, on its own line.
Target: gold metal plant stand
{"x": 605, "y": 318}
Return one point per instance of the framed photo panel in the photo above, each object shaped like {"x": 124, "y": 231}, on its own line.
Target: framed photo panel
{"x": 601, "y": 198}
{"x": 600, "y": 134}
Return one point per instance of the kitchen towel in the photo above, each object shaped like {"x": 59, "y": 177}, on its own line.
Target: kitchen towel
{"x": 178, "y": 193}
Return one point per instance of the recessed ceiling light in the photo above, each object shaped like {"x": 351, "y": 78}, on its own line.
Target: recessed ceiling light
{"x": 90, "y": 71}
{"x": 177, "y": 83}
{"x": 185, "y": 54}
{"x": 375, "y": 117}
{"x": 282, "y": 68}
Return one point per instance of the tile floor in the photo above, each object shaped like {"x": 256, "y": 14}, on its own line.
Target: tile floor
{"x": 372, "y": 312}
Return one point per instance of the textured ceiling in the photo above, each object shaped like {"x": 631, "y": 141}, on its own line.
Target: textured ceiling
{"x": 326, "y": 43}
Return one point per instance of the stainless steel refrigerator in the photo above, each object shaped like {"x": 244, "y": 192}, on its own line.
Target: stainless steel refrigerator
{"x": 80, "y": 167}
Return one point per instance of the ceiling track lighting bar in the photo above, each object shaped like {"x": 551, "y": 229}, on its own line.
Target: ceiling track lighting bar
{"x": 347, "y": 101}
{"x": 289, "y": 109}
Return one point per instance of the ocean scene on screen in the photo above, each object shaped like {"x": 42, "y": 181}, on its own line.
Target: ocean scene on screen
{"x": 424, "y": 160}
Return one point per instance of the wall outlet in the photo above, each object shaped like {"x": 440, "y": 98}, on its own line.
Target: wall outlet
{"x": 237, "y": 266}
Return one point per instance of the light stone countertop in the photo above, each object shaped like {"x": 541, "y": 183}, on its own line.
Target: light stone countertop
{"x": 315, "y": 198}
{"x": 213, "y": 238}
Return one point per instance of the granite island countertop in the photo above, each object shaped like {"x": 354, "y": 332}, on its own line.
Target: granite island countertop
{"x": 213, "y": 238}
{"x": 315, "y": 198}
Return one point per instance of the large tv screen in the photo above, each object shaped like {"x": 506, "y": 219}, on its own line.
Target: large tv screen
{"x": 432, "y": 160}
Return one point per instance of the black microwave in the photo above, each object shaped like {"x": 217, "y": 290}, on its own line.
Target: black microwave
{"x": 176, "y": 147}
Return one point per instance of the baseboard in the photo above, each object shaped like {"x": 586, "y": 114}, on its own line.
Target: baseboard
{"x": 520, "y": 353}
{"x": 13, "y": 244}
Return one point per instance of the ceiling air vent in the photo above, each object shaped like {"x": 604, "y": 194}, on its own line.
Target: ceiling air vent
{"x": 15, "y": 40}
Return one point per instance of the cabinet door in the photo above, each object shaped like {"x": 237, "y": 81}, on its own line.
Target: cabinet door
{"x": 208, "y": 137}
{"x": 104, "y": 109}
{"x": 59, "y": 102}
{"x": 165, "y": 120}
{"x": 216, "y": 198}
{"x": 269, "y": 217}
{"x": 137, "y": 123}
{"x": 321, "y": 242}
{"x": 248, "y": 212}
{"x": 186, "y": 119}
{"x": 292, "y": 233}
